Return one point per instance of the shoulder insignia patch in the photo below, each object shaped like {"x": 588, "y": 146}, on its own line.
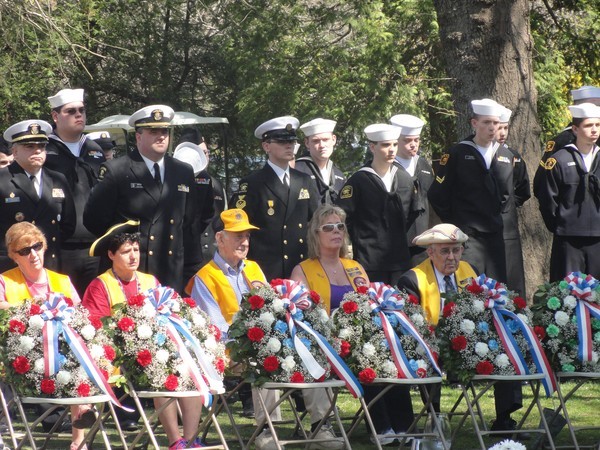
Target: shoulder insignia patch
{"x": 444, "y": 159}
{"x": 440, "y": 179}
{"x": 304, "y": 194}
{"x": 346, "y": 192}
{"x": 243, "y": 187}
{"x": 550, "y": 163}
{"x": 101, "y": 172}
{"x": 549, "y": 146}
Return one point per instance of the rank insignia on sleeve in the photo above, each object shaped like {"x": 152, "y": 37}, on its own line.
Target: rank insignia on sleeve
{"x": 304, "y": 194}
{"x": 444, "y": 159}
{"x": 346, "y": 192}
{"x": 243, "y": 187}
{"x": 440, "y": 179}
{"x": 549, "y": 146}
{"x": 550, "y": 163}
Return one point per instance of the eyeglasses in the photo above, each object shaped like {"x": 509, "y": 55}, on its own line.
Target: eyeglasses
{"x": 329, "y": 227}
{"x": 73, "y": 111}
{"x": 445, "y": 252}
{"x": 27, "y": 250}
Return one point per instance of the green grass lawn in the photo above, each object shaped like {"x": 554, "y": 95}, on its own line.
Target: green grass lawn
{"x": 583, "y": 410}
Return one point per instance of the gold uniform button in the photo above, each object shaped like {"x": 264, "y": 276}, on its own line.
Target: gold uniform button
{"x": 285, "y": 241}
{"x": 299, "y": 225}
{"x": 150, "y": 253}
{"x": 171, "y": 221}
{"x": 33, "y": 222}
{"x": 53, "y": 255}
{"x": 301, "y": 256}
{"x": 171, "y": 237}
{"x": 285, "y": 227}
{"x": 285, "y": 256}
{"x": 53, "y": 238}
{"x": 170, "y": 252}
{"x": 151, "y": 238}
{"x": 301, "y": 241}
{"x": 53, "y": 221}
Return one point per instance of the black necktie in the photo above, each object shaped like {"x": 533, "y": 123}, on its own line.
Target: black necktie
{"x": 33, "y": 179}
{"x": 285, "y": 180}
{"x": 448, "y": 284}
{"x": 157, "y": 179}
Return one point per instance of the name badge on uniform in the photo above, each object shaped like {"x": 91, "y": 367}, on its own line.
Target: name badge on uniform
{"x": 183, "y": 188}
{"x": 469, "y": 157}
{"x": 304, "y": 194}
{"x": 571, "y": 163}
{"x": 95, "y": 154}
{"x": 12, "y": 199}
{"x": 504, "y": 159}
{"x": 57, "y": 193}
{"x": 136, "y": 186}
{"x": 426, "y": 171}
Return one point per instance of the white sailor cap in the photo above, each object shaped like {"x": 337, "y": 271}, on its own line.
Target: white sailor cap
{"x": 486, "y": 107}
{"x": 33, "y": 131}
{"x": 505, "y": 116}
{"x": 65, "y": 96}
{"x": 443, "y": 233}
{"x": 318, "y": 126}
{"x": 380, "y": 132}
{"x": 192, "y": 154}
{"x": 584, "y": 111}
{"x": 585, "y": 93}
{"x": 411, "y": 125}
{"x": 153, "y": 116}
{"x": 280, "y": 128}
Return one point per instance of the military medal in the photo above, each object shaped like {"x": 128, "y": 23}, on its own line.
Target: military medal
{"x": 270, "y": 211}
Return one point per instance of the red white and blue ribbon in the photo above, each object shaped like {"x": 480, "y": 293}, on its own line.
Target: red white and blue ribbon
{"x": 496, "y": 299}
{"x": 386, "y": 300}
{"x": 581, "y": 287}
{"x": 57, "y": 314}
{"x": 296, "y": 297}
{"x": 162, "y": 299}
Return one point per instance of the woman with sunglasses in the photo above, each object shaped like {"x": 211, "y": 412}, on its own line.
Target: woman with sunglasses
{"x": 26, "y": 245}
{"x": 327, "y": 271}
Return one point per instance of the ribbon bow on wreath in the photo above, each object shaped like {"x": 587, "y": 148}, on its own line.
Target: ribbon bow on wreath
{"x": 385, "y": 301}
{"x": 162, "y": 299}
{"x": 496, "y": 298}
{"x": 581, "y": 288}
{"x": 57, "y": 314}
{"x": 295, "y": 299}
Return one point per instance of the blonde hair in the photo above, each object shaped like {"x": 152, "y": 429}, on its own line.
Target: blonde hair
{"x": 322, "y": 213}
{"x": 21, "y": 235}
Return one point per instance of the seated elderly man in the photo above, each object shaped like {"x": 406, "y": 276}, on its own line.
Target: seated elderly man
{"x": 218, "y": 288}
{"x": 443, "y": 272}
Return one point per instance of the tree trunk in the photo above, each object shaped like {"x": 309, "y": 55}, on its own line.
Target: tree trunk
{"x": 488, "y": 47}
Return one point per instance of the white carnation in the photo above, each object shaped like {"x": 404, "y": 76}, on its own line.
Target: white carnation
{"x": 421, "y": 364}
{"x": 467, "y": 326}
{"x": 97, "y": 351}
{"x": 561, "y": 318}
{"x": 38, "y": 365}
{"x": 199, "y": 320}
{"x": 211, "y": 343}
{"x": 368, "y": 349}
{"x": 389, "y": 369}
{"x": 323, "y": 316}
{"x": 277, "y": 305}
{"x": 26, "y": 344}
{"x": 36, "y": 322}
{"x": 482, "y": 349}
{"x": 266, "y": 318}
{"x": 478, "y": 306}
{"x": 288, "y": 363}
{"x": 63, "y": 377}
{"x": 502, "y": 360}
{"x": 570, "y": 302}
{"x": 417, "y": 319}
{"x": 420, "y": 350}
{"x": 273, "y": 345}
{"x": 524, "y": 318}
{"x": 162, "y": 356}
{"x": 88, "y": 332}
{"x": 148, "y": 310}
{"x": 594, "y": 357}
{"x": 175, "y": 307}
{"x": 345, "y": 333}
{"x": 144, "y": 331}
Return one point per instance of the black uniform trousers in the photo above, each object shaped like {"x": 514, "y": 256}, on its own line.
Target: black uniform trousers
{"x": 574, "y": 254}
{"x": 392, "y": 411}
{"x": 486, "y": 252}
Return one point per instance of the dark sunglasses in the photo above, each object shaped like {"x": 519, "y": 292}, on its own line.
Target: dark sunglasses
{"x": 27, "y": 250}
{"x": 73, "y": 111}
{"x": 329, "y": 227}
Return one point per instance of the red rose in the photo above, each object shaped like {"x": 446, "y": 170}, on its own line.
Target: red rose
{"x": 214, "y": 330}
{"x": 190, "y": 302}
{"x": 220, "y": 365}
{"x": 362, "y": 289}
{"x": 35, "y": 309}
{"x": 412, "y": 299}
{"x": 350, "y": 307}
{"x": 47, "y": 386}
{"x": 172, "y": 382}
{"x": 69, "y": 301}
{"x": 136, "y": 300}
{"x": 104, "y": 373}
{"x": 520, "y": 302}
{"x": 297, "y": 377}
{"x": 96, "y": 322}
{"x": 109, "y": 352}
{"x": 144, "y": 357}
{"x": 474, "y": 288}
{"x": 459, "y": 343}
{"x": 271, "y": 363}
{"x": 256, "y": 302}
{"x": 16, "y": 326}
{"x": 255, "y": 334}
{"x": 126, "y": 324}
{"x": 276, "y": 282}
{"x": 484, "y": 368}
{"x": 345, "y": 349}
{"x": 540, "y": 332}
{"x": 315, "y": 297}
{"x": 367, "y": 375}
{"x": 21, "y": 365}
{"x": 83, "y": 390}
{"x": 421, "y": 373}
{"x": 448, "y": 309}
{"x": 435, "y": 356}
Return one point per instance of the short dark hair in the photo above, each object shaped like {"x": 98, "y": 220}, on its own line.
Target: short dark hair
{"x": 122, "y": 238}
{"x": 577, "y": 121}
{"x": 192, "y": 135}
{"x": 5, "y": 147}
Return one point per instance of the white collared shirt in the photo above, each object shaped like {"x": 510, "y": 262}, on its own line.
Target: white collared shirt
{"x": 37, "y": 182}
{"x": 150, "y": 166}
{"x": 488, "y": 153}
{"x": 589, "y": 158}
{"x": 409, "y": 164}
{"x": 279, "y": 171}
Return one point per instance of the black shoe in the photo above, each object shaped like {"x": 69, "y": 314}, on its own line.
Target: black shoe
{"x": 507, "y": 425}
{"x": 248, "y": 411}
{"x": 65, "y": 427}
{"x": 85, "y": 420}
{"x": 129, "y": 425}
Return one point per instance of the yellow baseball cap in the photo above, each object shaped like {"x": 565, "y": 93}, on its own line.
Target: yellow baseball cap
{"x": 233, "y": 220}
